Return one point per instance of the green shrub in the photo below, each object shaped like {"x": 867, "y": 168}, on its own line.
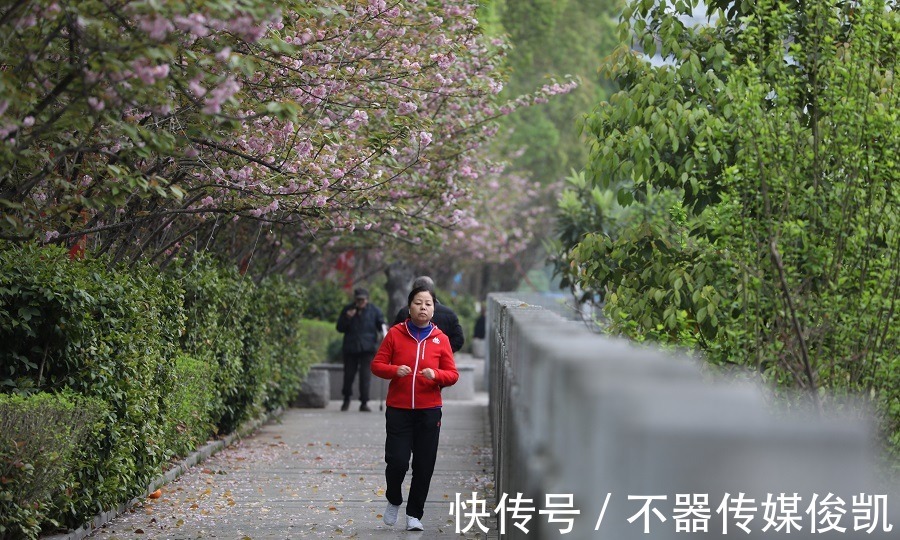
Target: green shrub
{"x": 172, "y": 358}
{"x": 325, "y": 301}
{"x": 464, "y": 307}
{"x": 215, "y": 304}
{"x": 189, "y": 402}
{"x": 101, "y": 332}
{"x": 274, "y": 339}
{"x": 320, "y": 337}
{"x": 41, "y": 437}
{"x": 336, "y": 350}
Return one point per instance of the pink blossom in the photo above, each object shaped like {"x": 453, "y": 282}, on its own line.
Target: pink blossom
{"x": 197, "y": 88}
{"x": 148, "y": 73}
{"x": 157, "y": 27}
{"x": 96, "y": 103}
{"x": 406, "y": 107}
{"x": 304, "y": 148}
{"x": 27, "y": 21}
{"x": 220, "y": 94}
{"x": 247, "y": 27}
{"x": 195, "y": 23}
{"x": 377, "y": 6}
{"x": 444, "y": 61}
{"x": 357, "y": 120}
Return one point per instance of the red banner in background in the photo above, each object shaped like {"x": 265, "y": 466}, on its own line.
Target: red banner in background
{"x": 344, "y": 266}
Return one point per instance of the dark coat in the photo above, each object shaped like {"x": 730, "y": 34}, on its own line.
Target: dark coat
{"x": 445, "y": 319}
{"x": 361, "y": 331}
{"x": 480, "y": 330}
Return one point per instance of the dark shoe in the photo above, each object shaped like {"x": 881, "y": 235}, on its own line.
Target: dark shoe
{"x": 346, "y": 405}
{"x": 365, "y": 408}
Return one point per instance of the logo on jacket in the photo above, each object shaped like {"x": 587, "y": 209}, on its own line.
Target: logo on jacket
{"x": 436, "y": 340}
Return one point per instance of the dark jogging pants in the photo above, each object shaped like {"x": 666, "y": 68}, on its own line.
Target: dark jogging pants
{"x": 416, "y": 432}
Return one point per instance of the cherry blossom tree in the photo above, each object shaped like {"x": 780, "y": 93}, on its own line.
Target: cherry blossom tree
{"x": 144, "y": 128}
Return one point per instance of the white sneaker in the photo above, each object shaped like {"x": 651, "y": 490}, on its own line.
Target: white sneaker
{"x": 413, "y": 524}
{"x": 390, "y": 514}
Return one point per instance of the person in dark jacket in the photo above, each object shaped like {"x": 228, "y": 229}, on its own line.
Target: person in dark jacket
{"x": 362, "y": 325}
{"x": 444, "y": 317}
{"x": 416, "y": 357}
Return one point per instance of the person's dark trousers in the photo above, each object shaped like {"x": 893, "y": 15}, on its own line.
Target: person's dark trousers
{"x": 416, "y": 432}
{"x": 357, "y": 362}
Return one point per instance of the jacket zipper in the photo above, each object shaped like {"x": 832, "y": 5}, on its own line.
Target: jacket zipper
{"x": 420, "y": 346}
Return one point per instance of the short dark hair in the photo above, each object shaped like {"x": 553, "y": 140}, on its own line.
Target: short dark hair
{"x": 416, "y": 291}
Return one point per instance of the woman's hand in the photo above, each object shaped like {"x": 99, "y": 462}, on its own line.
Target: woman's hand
{"x": 403, "y": 371}
{"x": 428, "y": 373}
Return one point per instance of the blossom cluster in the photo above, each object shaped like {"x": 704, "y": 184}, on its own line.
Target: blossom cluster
{"x": 364, "y": 117}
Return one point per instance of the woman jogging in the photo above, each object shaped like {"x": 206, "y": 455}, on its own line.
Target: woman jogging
{"x": 416, "y": 357}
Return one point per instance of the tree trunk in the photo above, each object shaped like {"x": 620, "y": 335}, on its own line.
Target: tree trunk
{"x": 399, "y": 280}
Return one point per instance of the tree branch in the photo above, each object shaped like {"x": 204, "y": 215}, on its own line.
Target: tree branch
{"x": 798, "y": 330}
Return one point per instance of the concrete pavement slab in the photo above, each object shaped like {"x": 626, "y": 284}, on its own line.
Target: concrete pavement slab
{"x": 315, "y": 473}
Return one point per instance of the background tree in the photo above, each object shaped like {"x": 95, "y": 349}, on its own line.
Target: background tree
{"x": 539, "y": 144}
{"x": 265, "y": 135}
{"x": 762, "y": 155}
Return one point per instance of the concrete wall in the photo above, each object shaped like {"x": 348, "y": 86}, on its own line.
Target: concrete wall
{"x": 576, "y": 413}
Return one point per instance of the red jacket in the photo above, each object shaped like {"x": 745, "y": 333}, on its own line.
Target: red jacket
{"x": 414, "y": 391}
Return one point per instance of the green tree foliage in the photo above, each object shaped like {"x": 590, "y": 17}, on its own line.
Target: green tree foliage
{"x": 554, "y": 38}
{"x": 762, "y": 156}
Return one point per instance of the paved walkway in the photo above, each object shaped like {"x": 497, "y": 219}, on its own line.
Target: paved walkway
{"x": 314, "y": 473}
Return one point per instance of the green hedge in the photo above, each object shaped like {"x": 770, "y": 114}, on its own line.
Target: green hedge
{"x": 215, "y": 303}
{"x": 100, "y": 332}
{"x": 323, "y": 339}
{"x": 274, "y": 342}
{"x": 174, "y": 358}
{"x": 191, "y": 393}
{"x": 42, "y": 440}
